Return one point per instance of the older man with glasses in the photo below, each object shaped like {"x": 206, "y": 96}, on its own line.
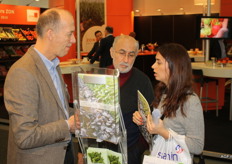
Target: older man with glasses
{"x": 124, "y": 52}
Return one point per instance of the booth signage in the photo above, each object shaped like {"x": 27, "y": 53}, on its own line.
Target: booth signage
{"x": 11, "y": 14}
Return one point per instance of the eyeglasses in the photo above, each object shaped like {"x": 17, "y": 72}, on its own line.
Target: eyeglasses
{"x": 124, "y": 53}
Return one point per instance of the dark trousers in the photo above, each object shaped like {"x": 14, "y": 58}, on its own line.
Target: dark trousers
{"x": 69, "y": 156}
{"x": 135, "y": 152}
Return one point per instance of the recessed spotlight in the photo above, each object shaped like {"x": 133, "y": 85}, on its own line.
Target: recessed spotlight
{"x": 137, "y": 11}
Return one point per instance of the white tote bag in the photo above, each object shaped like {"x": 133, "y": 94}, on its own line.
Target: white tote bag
{"x": 171, "y": 151}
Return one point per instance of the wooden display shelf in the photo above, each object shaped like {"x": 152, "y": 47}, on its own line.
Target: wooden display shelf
{"x": 16, "y": 42}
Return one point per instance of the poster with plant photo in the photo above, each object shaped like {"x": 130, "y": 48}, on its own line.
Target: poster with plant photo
{"x": 99, "y": 105}
{"x": 92, "y": 18}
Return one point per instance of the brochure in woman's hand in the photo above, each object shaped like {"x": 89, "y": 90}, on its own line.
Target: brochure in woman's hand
{"x": 144, "y": 110}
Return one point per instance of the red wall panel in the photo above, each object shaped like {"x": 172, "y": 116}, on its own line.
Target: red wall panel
{"x": 70, "y": 6}
{"x": 226, "y": 6}
{"x": 119, "y": 16}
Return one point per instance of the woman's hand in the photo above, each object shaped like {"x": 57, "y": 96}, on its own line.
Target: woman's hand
{"x": 151, "y": 127}
{"x": 157, "y": 128}
{"x": 137, "y": 118}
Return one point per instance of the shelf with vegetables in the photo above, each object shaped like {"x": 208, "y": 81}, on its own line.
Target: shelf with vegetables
{"x": 14, "y": 42}
{"x": 17, "y": 32}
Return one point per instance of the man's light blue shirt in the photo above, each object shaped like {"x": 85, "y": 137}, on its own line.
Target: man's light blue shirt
{"x": 51, "y": 67}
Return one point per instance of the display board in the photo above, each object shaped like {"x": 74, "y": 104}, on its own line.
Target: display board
{"x": 10, "y": 14}
{"x": 96, "y": 102}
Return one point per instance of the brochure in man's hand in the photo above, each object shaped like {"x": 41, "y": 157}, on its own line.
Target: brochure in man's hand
{"x": 144, "y": 110}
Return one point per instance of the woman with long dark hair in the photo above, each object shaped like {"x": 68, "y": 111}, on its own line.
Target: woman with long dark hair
{"x": 175, "y": 98}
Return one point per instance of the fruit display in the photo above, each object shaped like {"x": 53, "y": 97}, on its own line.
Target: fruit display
{"x": 34, "y": 33}
{"x": 9, "y": 51}
{"x": 2, "y": 34}
{"x": 19, "y": 34}
{"x": 224, "y": 60}
{"x": 27, "y": 33}
{"x": 151, "y": 46}
{"x": 9, "y": 33}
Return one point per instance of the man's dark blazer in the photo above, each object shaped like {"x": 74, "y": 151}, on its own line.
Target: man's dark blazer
{"x": 94, "y": 50}
{"x": 104, "y": 52}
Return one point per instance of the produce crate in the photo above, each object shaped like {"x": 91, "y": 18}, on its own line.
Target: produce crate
{"x": 24, "y": 48}
{"x": 18, "y": 50}
{"x": 10, "y": 50}
{"x": 3, "y": 72}
{"x": 3, "y": 54}
{"x": 10, "y": 34}
{"x": 33, "y": 32}
{"x": 19, "y": 34}
{"x": 28, "y": 34}
{"x": 3, "y": 35}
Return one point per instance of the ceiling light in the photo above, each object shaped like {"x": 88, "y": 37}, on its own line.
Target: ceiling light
{"x": 203, "y": 2}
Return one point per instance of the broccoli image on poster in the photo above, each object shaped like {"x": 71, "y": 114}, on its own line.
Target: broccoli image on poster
{"x": 103, "y": 156}
{"x": 99, "y": 116}
{"x": 96, "y": 157}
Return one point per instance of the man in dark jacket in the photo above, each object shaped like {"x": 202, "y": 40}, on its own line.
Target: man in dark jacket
{"x": 98, "y": 35}
{"x": 124, "y": 52}
{"x": 103, "y": 51}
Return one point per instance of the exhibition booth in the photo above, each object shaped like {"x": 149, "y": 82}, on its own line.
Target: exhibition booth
{"x": 17, "y": 34}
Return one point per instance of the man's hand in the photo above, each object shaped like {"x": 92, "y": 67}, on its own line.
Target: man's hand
{"x": 80, "y": 158}
{"x": 74, "y": 123}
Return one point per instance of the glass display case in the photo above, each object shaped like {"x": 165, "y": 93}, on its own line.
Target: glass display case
{"x": 96, "y": 103}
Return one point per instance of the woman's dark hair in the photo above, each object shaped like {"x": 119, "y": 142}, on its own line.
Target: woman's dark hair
{"x": 180, "y": 79}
